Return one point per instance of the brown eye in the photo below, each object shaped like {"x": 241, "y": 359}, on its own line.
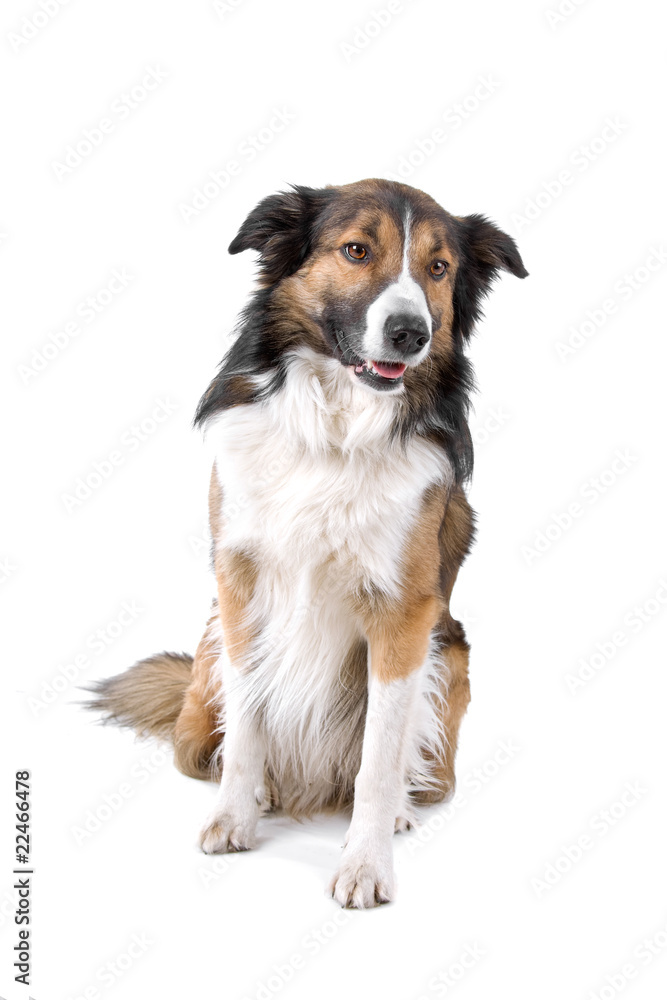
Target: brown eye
{"x": 356, "y": 251}
{"x": 438, "y": 268}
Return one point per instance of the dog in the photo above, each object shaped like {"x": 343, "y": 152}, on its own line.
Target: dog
{"x": 331, "y": 673}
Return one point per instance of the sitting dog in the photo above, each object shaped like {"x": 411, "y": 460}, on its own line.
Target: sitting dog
{"x": 331, "y": 672}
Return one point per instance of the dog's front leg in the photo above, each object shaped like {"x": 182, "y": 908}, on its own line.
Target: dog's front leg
{"x": 366, "y": 874}
{"x": 232, "y": 823}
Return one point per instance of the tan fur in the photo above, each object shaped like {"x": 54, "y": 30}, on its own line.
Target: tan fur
{"x": 235, "y": 574}
{"x": 214, "y": 504}
{"x": 326, "y": 275}
{"x": 196, "y": 736}
{"x": 327, "y": 272}
{"x": 398, "y": 645}
{"x": 399, "y": 632}
{"x": 427, "y": 243}
{"x": 455, "y": 538}
{"x": 171, "y": 696}
{"x": 455, "y": 691}
{"x": 148, "y": 697}
{"x": 456, "y": 535}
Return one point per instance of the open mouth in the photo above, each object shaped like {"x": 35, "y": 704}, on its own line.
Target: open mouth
{"x": 380, "y": 374}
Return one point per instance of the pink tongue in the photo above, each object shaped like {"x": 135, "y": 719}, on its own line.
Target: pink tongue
{"x": 388, "y": 369}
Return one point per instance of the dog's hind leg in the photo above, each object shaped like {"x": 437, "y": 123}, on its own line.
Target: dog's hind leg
{"x": 196, "y": 736}
{"x": 198, "y": 739}
{"x": 456, "y": 536}
{"x": 451, "y": 707}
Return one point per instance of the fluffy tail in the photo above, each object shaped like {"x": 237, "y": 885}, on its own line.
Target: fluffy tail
{"x": 148, "y": 697}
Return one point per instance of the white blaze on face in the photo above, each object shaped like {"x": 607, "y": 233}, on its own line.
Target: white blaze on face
{"x": 403, "y": 296}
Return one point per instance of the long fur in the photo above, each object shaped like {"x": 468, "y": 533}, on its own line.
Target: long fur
{"x": 147, "y": 698}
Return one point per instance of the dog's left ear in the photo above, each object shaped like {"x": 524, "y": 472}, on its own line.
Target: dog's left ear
{"x": 281, "y": 228}
{"x": 485, "y": 250}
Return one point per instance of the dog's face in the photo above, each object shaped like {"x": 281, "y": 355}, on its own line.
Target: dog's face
{"x": 378, "y": 271}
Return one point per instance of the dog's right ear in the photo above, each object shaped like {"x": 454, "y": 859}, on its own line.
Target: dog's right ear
{"x": 281, "y": 229}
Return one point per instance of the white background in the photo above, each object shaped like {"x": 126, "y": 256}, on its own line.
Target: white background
{"x": 547, "y": 427}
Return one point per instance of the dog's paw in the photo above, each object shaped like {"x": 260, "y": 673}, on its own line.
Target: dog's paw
{"x": 407, "y": 818}
{"x": 364, "y": 879}
{"x": 406, "y": 821}
{"x": 223, "y": 834}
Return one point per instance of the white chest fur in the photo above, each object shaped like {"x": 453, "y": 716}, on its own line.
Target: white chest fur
{"x": 321, "y": 498}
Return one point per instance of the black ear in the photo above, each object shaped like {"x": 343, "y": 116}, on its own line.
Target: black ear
{"x": 485, "y": 250}
{"x": 281, "y": 228}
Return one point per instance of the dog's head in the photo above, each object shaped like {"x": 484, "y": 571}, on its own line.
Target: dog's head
{"x": 378, "y": 274}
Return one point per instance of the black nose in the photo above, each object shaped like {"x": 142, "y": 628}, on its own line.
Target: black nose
{"x": 406, "y": 333}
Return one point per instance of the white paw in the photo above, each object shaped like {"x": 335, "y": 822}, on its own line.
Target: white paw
{"x": 224, "y": 833}
{"x": 365, "y": 878}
